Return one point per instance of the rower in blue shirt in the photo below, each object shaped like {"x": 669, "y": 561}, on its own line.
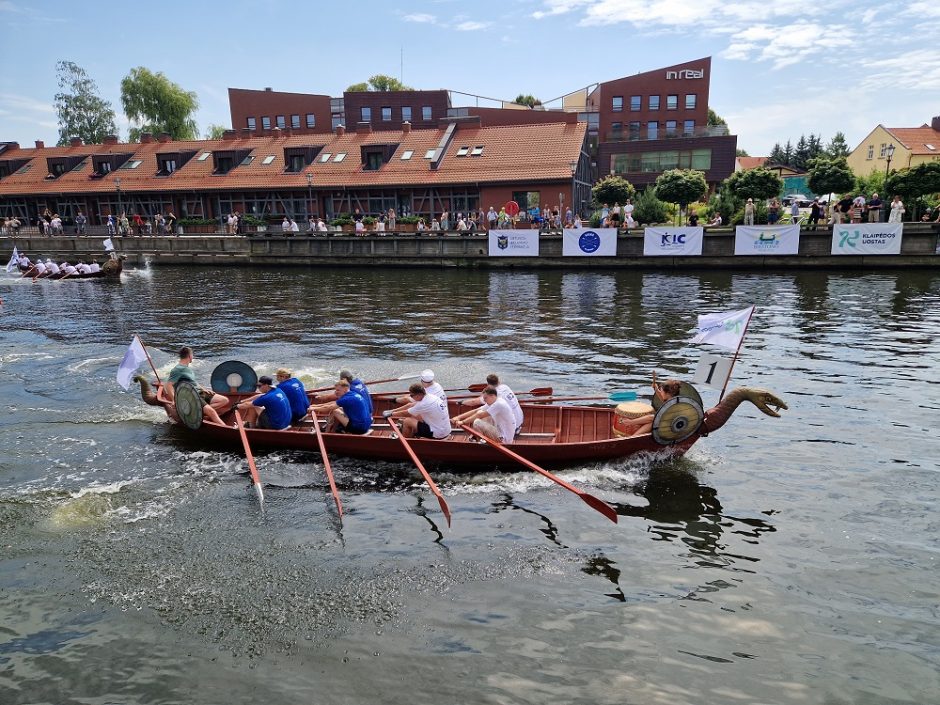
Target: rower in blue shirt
{"x": 349, "y": 413}
{"x": 358, "y": 386}
{"x": 294, "y": 390}
{"x": 270, "y": 409}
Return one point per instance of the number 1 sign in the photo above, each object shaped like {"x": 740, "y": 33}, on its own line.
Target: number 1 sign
{"x": 712, "y": 371}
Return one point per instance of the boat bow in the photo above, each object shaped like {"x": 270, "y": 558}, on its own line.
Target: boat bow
{"x": 768, "y": 402}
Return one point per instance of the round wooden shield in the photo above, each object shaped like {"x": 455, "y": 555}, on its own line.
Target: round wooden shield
{"x": 677, "y": 419}
{"x": 234, "y": 375}
{"x": 189, "y": 404}
{"x": 685, "y": 390}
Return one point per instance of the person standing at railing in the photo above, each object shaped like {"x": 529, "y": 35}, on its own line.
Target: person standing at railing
{"x": 773, "y": 211}
{"x": 749, "y": 212}
{"x": 875, "y": 205}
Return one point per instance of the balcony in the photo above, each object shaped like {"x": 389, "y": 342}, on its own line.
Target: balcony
{"x": 662, "y": 134}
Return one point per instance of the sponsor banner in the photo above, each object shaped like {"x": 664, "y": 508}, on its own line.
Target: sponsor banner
{"x": 767, "y": 240}
{"x": 514, "y": 243}
{"x": 867, "y": 239}
{"x": 589, "y": 242}
{"x": 673, "y": 242}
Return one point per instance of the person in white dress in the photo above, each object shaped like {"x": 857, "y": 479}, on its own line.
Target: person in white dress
{"x": 897, "y": 210}
{"x": 494, "y": 420}
{"x": 425, "y": 416}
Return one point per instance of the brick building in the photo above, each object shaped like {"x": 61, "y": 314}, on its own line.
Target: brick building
{"x": 460, "y": 166}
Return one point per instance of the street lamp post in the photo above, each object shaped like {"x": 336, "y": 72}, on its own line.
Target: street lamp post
{"x": 309, "y": 195}
{"x": 575, "y": 204}
{"x": 117, "y": 184}
{"x": 889, "y": 152}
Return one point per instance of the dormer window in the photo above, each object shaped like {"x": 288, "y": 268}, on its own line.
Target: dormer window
{"x": 296, "y": 159}
{"x": 226, "y": 160}
{"x": 170, "y": 162}
{"x": 223, "y": 165}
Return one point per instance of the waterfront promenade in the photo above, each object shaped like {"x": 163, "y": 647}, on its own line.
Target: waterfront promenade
{"x": 919, "y": 249}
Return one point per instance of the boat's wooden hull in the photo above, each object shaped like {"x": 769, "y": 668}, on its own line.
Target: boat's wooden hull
{"x": 553, "y": 436}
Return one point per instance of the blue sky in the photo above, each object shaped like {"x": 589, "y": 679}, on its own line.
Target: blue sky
{"x": 780, "y": 69}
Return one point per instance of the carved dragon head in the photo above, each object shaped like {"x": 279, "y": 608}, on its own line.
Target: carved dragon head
{"x": 766, "y": 401}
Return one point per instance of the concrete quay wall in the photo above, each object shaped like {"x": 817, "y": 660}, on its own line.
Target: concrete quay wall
{"x": 919, "y": 249}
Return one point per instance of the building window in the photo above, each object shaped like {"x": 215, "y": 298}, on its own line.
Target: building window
{"x": 325, "y": 157}
{"x": 406, "y": 113}
{"x": 295, "y": 163}
{"x": 281, "y": 122}
{"x": 671, "y": 128}
{"x": 365, "y": 114}
{"x": 386, "y": 114}
{"x": 635, "y": 130}
{"x": 463, "y": 151}
{"x": 690, "y": 99}
{"x": 268, "y": 159}
{"x": 635, "y": 102}
{"x": 672, "y": 102}
{"x": 657, "y": 162}
{"x": 336, "y": 121}
{"x": 339, "y": 157}
{"x": 884, "y": 150}
{"x": 430, "y": 154}
{"x": 266, "y": 123}
{"x": 652, "y": 130}
{"x": 617, "y": 103}
{"x": 167, "y": 166}
{"x": 373, "y": 161}
{"x": 871, "y": 151}
{"x": 616, "y": 128}
{"x": 654, "y": 102}
{"x": 426, "y": 113}
{"x": 406, "y": 155}
{"x": 295, "y": 122}
{"x": 252, "y": 124}
{"x": 311, "y": 120}
{"x": 476, "y": 151}
{"x": 688, "y": 128}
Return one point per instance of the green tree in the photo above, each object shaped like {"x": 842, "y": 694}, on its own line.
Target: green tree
{"x": 214, "y": 132}
{"x": 153, "y": 103}
{"x": 526, "y": 99}
{"x": 776, "y": 155}
{"x": 612, "y": 189}
{"x": 787, "y": 154}
{"x": 830, "y": 176}
{"x": 714, "y": 118}
{"x": 379, "y": 83}
{"x": 681, "y": 186}
{"x": 838, "y": 147}
{"x": 648, "y": 209}
{"x": 801, "y": 153}
{"x": 873, "y": 183}
{"x": 913, "y": 183}
{"x": 741, "y": 152}
{"x": 759, "y": 183}
{"x": 79, "y": 108}
{"x": 725, "y": 202}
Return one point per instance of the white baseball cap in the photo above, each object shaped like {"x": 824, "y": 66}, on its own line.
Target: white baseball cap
{"x": 427, "y": 376}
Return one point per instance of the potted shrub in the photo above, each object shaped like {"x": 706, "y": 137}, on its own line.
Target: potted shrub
{"x": 407, "y": 223}
{"x": 343, "y": 222}
{"x": 251, "y": 223}
{"x": 198, "y": 225}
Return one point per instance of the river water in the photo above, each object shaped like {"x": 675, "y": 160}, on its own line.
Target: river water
{"x": 789, "y": 560}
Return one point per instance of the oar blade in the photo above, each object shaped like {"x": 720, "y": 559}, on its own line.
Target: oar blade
{"x": 599, "y": 505}
{"x": 476, "y": 387}
{"x": 622, "y": 396}
{"x": 444, "y": 508}
{"x": 542, "y": 392}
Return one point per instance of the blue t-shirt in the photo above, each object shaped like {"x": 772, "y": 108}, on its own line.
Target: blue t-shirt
{"x": 356, "y": 409}
{"x": 276, "y": 407}
{"x": 359, "y": 388}
{"x": 294, "y": 390}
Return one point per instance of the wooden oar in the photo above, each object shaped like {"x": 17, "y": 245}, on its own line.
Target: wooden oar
{"x": 414, "y": 459}
{"x": 537, "y": 392}
{"x": 251, "y": 459}
{"x": 375, "y": 381}
{"x": 615, "y": 396}
{"x": 588, "y": 499}
{"x": 326, "y": 464}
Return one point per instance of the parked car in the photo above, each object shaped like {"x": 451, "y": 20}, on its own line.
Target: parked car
{"x": 801, "y": 200}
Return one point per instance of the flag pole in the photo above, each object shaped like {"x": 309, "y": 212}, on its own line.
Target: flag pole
{"x": 147, "y": 353}
{"x": 735, "y": 358}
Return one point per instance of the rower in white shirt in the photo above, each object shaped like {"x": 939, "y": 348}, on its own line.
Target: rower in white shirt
{"x": 69, "y": 270}
{"x": 495, "y": 420}
{"x": 430, "y": 386}
{"x": 38, "y": 268}
{"x": 52, "y": 267}
{"x": 425, "y": 416}
{"x": 82, "y": 268}
{"x": 504, "y": 392}
{"x": 94, "y": 267}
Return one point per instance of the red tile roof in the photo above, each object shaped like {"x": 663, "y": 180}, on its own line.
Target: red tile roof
{"x": 510, "y": 153}
{"x": 916, "y": 139}
{"x": 751, "y": 162}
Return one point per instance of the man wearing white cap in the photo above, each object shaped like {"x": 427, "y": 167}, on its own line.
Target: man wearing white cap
{"x": 430, "y": 387}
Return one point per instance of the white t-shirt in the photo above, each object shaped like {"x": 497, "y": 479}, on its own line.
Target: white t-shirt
{"x": 40, "y": 267}
{"x": 53, "y": 267}
{"x": 504, "y": 392}
{"x": 94, "y": 267}
{"x": 502, "y": 416}
{"x": 437, "y": 390}
{"x": 433, "y": 411}
{"x": 70, "y": 270}
{"x": 628, "y": 209}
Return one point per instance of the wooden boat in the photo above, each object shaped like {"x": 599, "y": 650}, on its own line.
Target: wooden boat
{"x": 110, "y": 269}
{"x": 552, "y": 435}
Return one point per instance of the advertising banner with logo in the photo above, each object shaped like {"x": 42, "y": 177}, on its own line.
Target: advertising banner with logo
{"x": 767, "y": 240}
{"x": 867, "y": 239}
{"x": 514, "y": 243}
{"x": 673, "y": 242}
{"x": 589, "y": 242}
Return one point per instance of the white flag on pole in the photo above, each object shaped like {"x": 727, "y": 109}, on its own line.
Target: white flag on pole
{"x": 108, "y": 245}
{"x": 133, "y": 358}
{"x": 724, "y": 329}
{"x": 13, "y": 263}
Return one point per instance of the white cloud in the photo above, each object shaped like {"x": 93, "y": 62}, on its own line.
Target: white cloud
{"x": 20, "y": 104}
{"x": 559, "y": 7}
{"x": 923, "y": 9}
{"x": 471, "y": 26}
{"x": 420, "y": 17}
{"x": 785, "y": 45}
{"x": 915, "y": 70}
